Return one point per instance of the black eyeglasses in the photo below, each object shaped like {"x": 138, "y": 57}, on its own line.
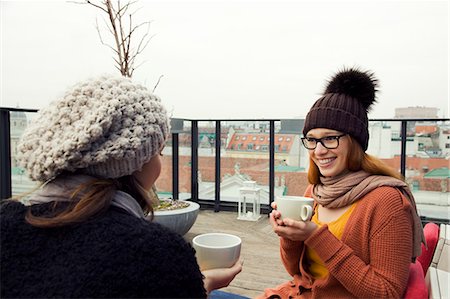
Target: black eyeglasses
{"x": 329, "y": 142}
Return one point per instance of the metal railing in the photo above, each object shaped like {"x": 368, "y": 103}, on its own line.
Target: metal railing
{"x": 216, "y": 204}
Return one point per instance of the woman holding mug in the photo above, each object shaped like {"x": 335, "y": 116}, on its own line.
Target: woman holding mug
{"x": 83, "y": 234}
{"x": 365, "y": 230}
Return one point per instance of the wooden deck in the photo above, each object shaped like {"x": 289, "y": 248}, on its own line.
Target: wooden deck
{"x": 260, "y": 250}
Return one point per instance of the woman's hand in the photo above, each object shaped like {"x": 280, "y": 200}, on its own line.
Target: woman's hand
{"x": 290, "y": 229}
{"x": 221, "y": 277}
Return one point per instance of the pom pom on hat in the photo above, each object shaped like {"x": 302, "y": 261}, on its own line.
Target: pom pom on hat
{"x": 348, "y": 97}
{"x": 107, "y": 127}
{"x": 356, "y": 84}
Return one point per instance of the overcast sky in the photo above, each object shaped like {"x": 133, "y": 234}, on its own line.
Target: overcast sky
{"x": 235, "y": 59}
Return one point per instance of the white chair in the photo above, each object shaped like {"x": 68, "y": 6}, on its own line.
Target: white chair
{"x": 438, "y": 276}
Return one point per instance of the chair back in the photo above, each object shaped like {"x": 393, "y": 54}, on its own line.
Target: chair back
{"x": 416, "y": 287}
{"x": 431, "y": 232}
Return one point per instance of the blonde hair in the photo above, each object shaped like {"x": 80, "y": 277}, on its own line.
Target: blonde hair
{"x": 357, "y": 160}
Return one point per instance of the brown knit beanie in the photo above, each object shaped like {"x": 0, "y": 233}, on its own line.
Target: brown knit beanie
{"x": 345, "y": 104}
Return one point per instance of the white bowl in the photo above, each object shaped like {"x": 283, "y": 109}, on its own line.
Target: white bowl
{"x": 180, "y": 220}
{"x": 216, "y": 250}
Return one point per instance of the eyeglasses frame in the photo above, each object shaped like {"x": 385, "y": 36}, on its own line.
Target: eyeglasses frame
{"x": 319, "y": 140}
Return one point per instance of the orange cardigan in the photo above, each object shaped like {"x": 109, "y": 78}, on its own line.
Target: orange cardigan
{"x": 370, "y": 261}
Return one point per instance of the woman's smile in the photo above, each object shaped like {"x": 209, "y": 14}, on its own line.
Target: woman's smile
{"x": 331, "y": 162}
{"x": 325, "y": 162}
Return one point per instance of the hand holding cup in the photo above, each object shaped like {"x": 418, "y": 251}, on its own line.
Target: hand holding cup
{"x": 291, "y": 219}
{"x": 216, "y": 250}
{"x": 218, "y": 258}
{"x": 298, "y": 208}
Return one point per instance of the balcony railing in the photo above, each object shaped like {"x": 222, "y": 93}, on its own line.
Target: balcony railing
{"x": 182, "y": 127}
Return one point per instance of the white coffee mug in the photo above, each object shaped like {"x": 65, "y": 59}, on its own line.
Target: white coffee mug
{"x": 295, "y": 207}
{"x": 216, "y": 250}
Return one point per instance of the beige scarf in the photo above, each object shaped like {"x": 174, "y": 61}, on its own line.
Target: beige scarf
{"x": 345, "y": 189}
{"x": 61, "y": 188}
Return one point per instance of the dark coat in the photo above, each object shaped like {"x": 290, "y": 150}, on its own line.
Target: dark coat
{"x": 112, "y": 255}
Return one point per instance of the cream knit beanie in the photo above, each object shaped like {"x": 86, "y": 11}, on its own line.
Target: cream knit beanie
{"x": 107, "y": 127}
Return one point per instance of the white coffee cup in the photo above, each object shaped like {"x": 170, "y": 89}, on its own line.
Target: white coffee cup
{"x": 295, "y": 207}
{"x": 216, "y": 250}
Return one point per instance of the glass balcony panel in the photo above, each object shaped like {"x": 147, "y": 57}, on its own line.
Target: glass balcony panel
{"x": 291, "y": 158}
{"x": 427, "y": 160}
{"x": 427, "y": 167}
{"x": 385, "y": 142}
{"x": 206, "y": 160}
{"x": 184, "y": 161}
{"x": 164, "y": 182}
{"x": 240, "y": 163}
{"x": 20, "y": 181}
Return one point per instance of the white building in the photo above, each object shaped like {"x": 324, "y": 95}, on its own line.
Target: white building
{"x": 444, "y": 141}
{"x": 385, "y": 141}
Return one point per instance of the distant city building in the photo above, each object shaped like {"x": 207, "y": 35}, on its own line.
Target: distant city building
{"x": 416, "y": 112}
{"x": 385, "y": 140}
{"x": 245, "y": 156}
{"x": 444, "y": 141}
{"x": 288, "y": 148}
{"x": 413, "y": 113}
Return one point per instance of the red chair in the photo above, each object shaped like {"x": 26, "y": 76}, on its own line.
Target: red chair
{"x": 416, "y": 287}
{"x": 431, "y": 232}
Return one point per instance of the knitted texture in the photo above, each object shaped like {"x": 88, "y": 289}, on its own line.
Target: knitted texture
{"x": 370, "y": 261}
{"x": 342, "y": 113}
{"x": 115, "y": 255}
{"x": 344, "y": 106}
{"x": 107, "y": 127}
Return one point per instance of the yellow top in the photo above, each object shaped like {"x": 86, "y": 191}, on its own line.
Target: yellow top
{"x": 316, "y": 267}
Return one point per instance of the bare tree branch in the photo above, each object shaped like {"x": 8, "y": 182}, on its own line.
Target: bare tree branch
{"x": 159, "y": 79}
{"x": 90, "y": 3}
{"x": 101, "y": 39}
{"x": 123, "y": 32}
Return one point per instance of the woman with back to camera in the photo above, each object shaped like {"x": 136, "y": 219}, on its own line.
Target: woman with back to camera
{"x": 365, "y": 230}
{"x": 84, "y": 234}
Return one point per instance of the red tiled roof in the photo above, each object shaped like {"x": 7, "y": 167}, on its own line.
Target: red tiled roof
{"x": 260, "y": 142}
{"x": 425, "y": 129}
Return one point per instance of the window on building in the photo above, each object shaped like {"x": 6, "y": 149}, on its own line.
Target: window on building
{"x": 261, "y": 138}
{"x": 257, "y": 147}
{"x": 232, "y": 147}
{"x": 447, "y": 145}
{"x": 285, "y": 148}
{"x": 264, "y": 147}
{"x": 280, "y": 138}
{"x": 239, "y": 146}
{"x": 237, "y": 138}
{"x": 254, "y": 138}
{"x": 288, "y": 138}
{"x": 277, "y": 147}
{"x": 250, "y": 146}
{"x": 244, "y": 137}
